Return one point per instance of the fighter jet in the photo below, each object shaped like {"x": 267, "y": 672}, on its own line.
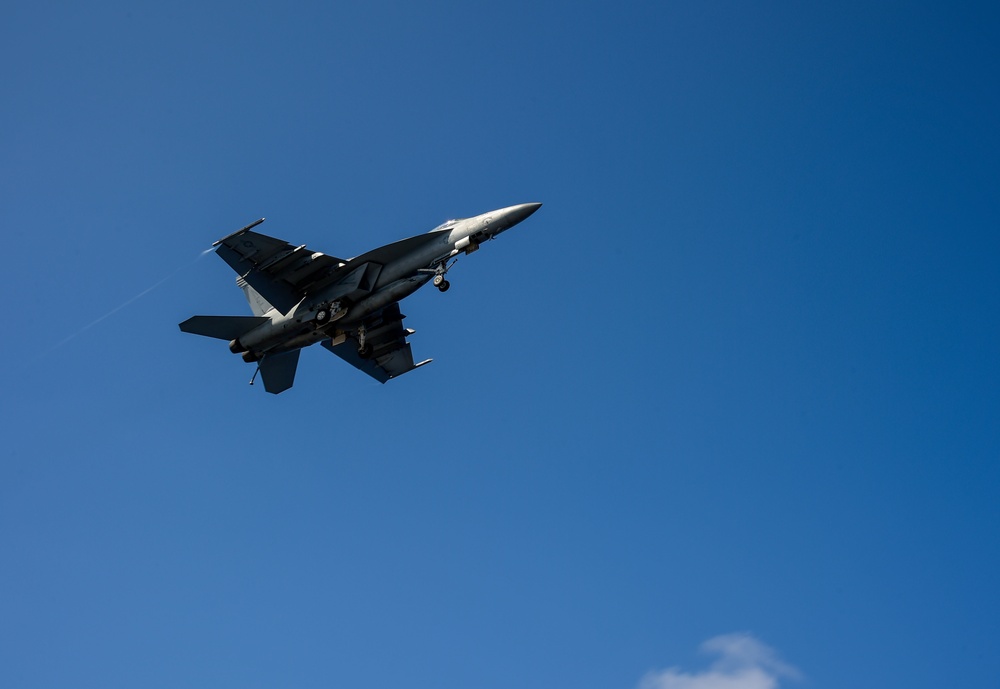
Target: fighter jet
{"x": 350, "y": 306}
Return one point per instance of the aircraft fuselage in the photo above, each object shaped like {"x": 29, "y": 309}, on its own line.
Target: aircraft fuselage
{"x": 300, "y": 297}
{"x": 396, "y": 271}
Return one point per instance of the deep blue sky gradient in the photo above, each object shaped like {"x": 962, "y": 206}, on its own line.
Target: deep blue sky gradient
{"x": 740, "y": 372}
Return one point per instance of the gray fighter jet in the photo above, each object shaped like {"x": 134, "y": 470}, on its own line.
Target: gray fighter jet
{"x": 350, "y": 306}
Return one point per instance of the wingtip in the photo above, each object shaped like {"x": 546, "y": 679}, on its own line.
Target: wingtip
{"x": 242, "y": 229}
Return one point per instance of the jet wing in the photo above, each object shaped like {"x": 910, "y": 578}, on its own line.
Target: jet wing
{"x": 391, "y": 355}
{"x": 280, "y": 272}
{"x": 391, "y": 252}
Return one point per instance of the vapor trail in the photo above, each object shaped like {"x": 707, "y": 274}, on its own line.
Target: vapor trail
{"x": 121, "y": 306}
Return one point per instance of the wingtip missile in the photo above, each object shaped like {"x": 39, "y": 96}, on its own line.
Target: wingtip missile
{"x": 240, "y": 231}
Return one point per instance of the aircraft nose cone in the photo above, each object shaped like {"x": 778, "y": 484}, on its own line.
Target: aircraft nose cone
{"x": 503, "y": 219}
{"x": 522, "y": 211}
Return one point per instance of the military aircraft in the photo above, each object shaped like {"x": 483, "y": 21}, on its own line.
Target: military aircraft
{"x": 350, "y": 306}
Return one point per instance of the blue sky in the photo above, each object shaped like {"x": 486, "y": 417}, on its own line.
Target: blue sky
{"x": 733, "y": 388}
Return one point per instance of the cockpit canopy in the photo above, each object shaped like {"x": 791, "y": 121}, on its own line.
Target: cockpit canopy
{"x": 447, "y": 224}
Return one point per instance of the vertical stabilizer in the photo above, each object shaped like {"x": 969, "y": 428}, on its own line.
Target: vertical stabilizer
{"x": 258, "y": 304}
{"x": 278, "y": 371}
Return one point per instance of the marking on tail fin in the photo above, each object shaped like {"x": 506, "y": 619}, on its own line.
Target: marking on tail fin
{"x": 258, "y": 304}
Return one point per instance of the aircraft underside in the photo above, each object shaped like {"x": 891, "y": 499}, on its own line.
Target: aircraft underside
{"x": 351, "y": 307}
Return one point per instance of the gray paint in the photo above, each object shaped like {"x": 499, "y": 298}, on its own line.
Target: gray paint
{"x": 300, "y": 297}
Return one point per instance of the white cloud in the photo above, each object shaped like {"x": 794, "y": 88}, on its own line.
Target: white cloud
{"x": 743, "y": 663}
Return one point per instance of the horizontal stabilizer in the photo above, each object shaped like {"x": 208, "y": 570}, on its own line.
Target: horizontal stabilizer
{"x": 222, "y": 327}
